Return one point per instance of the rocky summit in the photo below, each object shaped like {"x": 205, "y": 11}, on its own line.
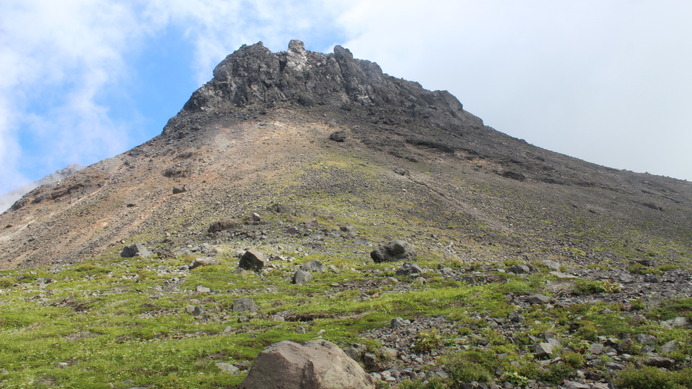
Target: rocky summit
{"x": 300, "y": 196}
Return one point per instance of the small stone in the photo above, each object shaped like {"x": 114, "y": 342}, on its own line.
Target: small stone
{"x": 669, "y": 347}
{"x": 544, "y": 350}
{"x": 538, "y": 299}
{"x": 614, "y": 366}
{"x": 62, "y": 365}
{"x": 651, "y": 278}
{"x": 626, "y": 278}
{"x": 179, "y": 189}
{"x": 203, "y": 289}
{"x": 203, "y": 261}
{"x": 596, "y": 348}
{"x": 516, "y": 317}
{"x": 409, "y": 269}
{"x": 663, "y": 362}
{"x": 575, "y": 385}
{"x": 194, "y": 310}
{"x": 519, "y": 269}
{"x": 301, "y": 330}
{"x": 227, "y": 368}
{"x": 552, "y": 265}
{"x": 678, "y": 322}
{"x": 244, "y": 305}
{"x": 647, "y": 339}
{"x": 398, "y": 323}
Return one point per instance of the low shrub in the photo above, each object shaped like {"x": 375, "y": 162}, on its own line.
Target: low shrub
{"x": 645, "y": 377}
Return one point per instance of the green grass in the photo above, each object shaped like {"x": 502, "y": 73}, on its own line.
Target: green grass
{"x": 122, "y": 322}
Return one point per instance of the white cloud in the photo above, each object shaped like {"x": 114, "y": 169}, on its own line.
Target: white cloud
{"x": 605, "y": 81}
{"x": 61, "y": 56}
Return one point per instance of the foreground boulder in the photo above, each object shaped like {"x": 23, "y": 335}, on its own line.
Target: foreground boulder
{"x": 317, "y": 364}
{"x": 135, "y": 250}
{"x": 396, "y": 250}
{"x": 252, "y": 260}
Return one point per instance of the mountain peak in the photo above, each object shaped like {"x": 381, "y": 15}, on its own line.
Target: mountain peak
{"x": 253, "y": 75}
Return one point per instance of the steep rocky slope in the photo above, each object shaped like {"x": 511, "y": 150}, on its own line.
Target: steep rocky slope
{"x": 412, "y": 161}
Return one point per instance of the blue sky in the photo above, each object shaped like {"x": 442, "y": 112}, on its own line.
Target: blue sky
{"x": 604, "y": 81}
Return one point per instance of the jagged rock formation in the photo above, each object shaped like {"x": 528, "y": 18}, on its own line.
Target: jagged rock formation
{"x": 259, "y": 134}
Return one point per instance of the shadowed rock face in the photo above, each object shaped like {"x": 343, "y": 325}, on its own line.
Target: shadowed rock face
{"x": 253, "y": 75}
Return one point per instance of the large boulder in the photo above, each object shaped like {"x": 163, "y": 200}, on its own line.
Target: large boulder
{"x": 135, "y": 250}
{"x": 252, "y": 260}
{"x": 396, "y": 250}
{"x": 317, "y": 364}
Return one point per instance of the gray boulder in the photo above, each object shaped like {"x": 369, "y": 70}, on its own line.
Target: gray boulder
{"x": 252, "y": 260}
{"x": 135, "y": 250}
{"x": 317, "y": 364}
{"x": 396, "y": 250}
{"x": 244, "y": 305}
{"x": 300, "y": 277}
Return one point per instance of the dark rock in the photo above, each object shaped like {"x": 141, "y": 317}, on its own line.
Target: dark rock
{"x": 409, "y": 269}
{"x": 338, "y": 136}
{"x": 135, "y": 250}
{"x": 348, "y": 229}
{"x": 651, "y": 278}
{"x": 396, "y": 250}
{"x": 663, "y": 362}
{"x": 519, "y": 269}
{"x": 181, "y": 189}
{"x": 515, "y": 317}
{"x": 317, "y": 364}
{"x": 252, "y": 260}
{"x": 244, "y": 305}
{"x": 300, "y": 277}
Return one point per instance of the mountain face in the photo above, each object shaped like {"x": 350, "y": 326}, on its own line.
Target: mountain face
{"x": 336, "y": 142}
{"x": 9, "y": 198}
